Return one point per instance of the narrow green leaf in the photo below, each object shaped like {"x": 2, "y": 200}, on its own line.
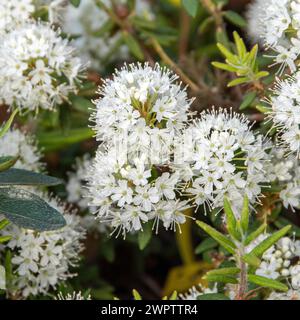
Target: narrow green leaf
{"x": 235, "y": 18}
{"x": 3, "y": 223}
{"x": 173, "y": 296}
{"x": 218, "y": 236}
{"x": 261, "y": 74}
{"x": 29, "y": 211}
{"x": 206, "y": 245}
{"x": 267, "y": 243}
{"x": 144, "y": 236}
{"x": 224, "y": 271}
{"x": 240, "y": 45}
{"x": 7, "y": 162}
{"x": 133, "y": 45}
{"x": 245, "y": 215}
{"x": 224, "y": 66}
{"x": 4, "y": 239}
{"x": 59, "y": 139}
{"x": 220, "y": 278}
{"x": 228, "y": 55}
{"x": 136, "y": 295}
{"x": 27, "y": 178}
{"x": 191, "y": 6}
{"x": 248, "y": 99}
{"x": 253, "y": 235}
{"x": 81, "y": 104}
{"x": 230, "y": 220}
{"x": 252, "y": 260}
{"x": 212, "y": 296}
{"x": 266, "y": 282}
{"x": 7, "y": 125}
{"x": 238, "y": 81}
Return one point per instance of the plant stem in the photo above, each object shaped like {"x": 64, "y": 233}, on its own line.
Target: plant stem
{"x": 242, "y": 286}
{"x": 166, "y": 59}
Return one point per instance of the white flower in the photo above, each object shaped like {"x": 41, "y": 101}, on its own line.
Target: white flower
{"x": 268, "y": 270}
{"x": 226, "y": 158}
{"x": 289, "y": 295}
{"x": 276, "y": 24}
{"x": 125, "y": 196}
{"x": 38, "y": 68}
{"x": 126, "y": 113}
{"x": 43, "y": 260}
{"x": 72, "y": 296}
{"x": 17, "y": 143}
{"x": 87, "y": 19}
{"x": 285, "y": 114}
{"x": 194, "y": 292}
{"x": 146, "y": 197}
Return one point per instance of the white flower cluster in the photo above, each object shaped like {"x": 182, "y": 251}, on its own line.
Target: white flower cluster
{"x": 194, "y": 292}
{"x": 277, "y": 23}
{"x": 141, "y": 107}
{"x": 16, "y": 143}
{"x": 289, "y": 295}
{"x": 127, "y": 197}
{"x": 15, "y": 13}
{"x": 38, "y": 68}
{"x": 285, "y": 173}
{"x": 86, "y": 22}
{"x": 281, "y": 260}
{"x": 226, "y": 159}
{"x": 137, "y": 116}
{"x": 285, "y": 114}
{"x": 72, "y": 296}
{"x": 41, "y": 260}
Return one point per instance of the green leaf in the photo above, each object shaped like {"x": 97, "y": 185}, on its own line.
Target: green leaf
{"x": 245, "y": 215}
{"x": 136, "y": 295}
{"x": 7, "y": 125}
{"x": 27, "y": 178}
{"x": 253, "y": 235}
{"x": 220, "y": 278}
{"x": 133, "y": 45}
{"x": 230, "y": 220}
{"x": 226, "y": 53}
{"x": 267, "y": 243}
{"x": 3, "y": 223}
{"x": 261, "y": 74}
{"x": 173, "y": 296}
{"x": 7, "y": 162}
{"x": 212, "y": 296}
{"x": 252, "y": 260}
{"x": 235, "y": 18}
{"x": 240, "y": 45}
{"x": 75, "y": 3}
{"x": 82, "y": 104}
{"x": 4, "y": 239}
{"x": 224, "y": 66}
{"x": 191, "y": 6}
{"x": 248, "y": 99}
{"x": 144, "y": 236}
{"x": 266, "y": 282}
{"x": 59, "y": 139}
{"x": 2, "y": 278}
{"x": 238, "y": 81}
{"x": 205, "y": 245}
{"x": 218, "y": 236}
{"x": 224, "y": 271}
{"x": 29, "y": 211}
